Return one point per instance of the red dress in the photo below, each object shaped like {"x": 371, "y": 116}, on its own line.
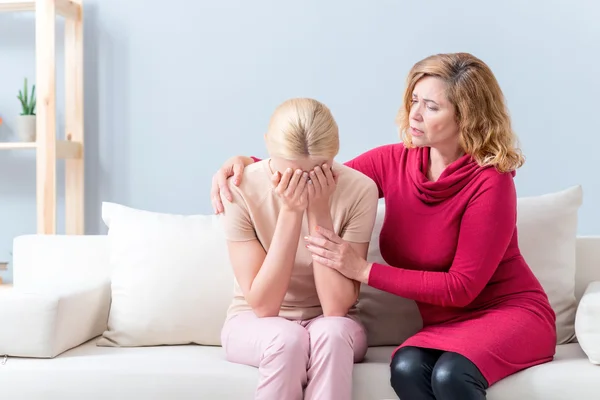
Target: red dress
{"x": 451, "y": 246}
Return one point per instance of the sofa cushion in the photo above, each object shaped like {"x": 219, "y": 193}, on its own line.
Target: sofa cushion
{"x": 171, "y": 279}
{"x": 45, "y": 321}
{"x": 547, "y": 229}
{"x": 201, "y": 372}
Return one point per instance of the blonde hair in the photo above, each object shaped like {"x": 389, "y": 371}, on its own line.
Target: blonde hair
{"x": 302, "y": 127}
{"x": 485, "y": 127}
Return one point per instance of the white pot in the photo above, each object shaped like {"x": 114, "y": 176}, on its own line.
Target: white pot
{"x": 26, "y": 128}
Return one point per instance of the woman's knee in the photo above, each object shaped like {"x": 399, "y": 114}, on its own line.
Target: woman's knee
{"x": 409, "y": 364}
{"x": 334, "y": 334}
{"x": 455, "y": 373}
{"x": 291, "y": 342}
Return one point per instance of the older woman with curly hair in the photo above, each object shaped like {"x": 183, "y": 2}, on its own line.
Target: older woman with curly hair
{"x": 449, "y": 238}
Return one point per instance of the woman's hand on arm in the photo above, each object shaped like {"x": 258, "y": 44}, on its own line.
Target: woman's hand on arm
{"x": 264, "y": 277}
{"x": 219, "y": 188}
{"x": 336, "y": 292}
{"x": 347, "y": 256}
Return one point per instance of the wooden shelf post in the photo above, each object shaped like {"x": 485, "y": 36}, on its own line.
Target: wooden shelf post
{"x": 74, "y": 167}
{"x": 45, "y": 42}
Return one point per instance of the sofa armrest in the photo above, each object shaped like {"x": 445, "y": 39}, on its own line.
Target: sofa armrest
{"x": 44, "y": 322}
{"x": 40, "y": 260}
{"x": 587, "y": 322}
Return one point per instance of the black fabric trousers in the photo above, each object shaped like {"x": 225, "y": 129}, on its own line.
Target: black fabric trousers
{"x": 426, "y": 374}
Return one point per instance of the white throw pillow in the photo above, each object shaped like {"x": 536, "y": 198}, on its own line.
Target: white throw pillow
{"x": 171, "y": 281}
{"x": 587, "y": 322}
{"x": 547, "y": 229}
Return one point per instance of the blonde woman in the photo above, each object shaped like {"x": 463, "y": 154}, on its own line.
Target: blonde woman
{"x": 292, "y": 317}
{"x": 449, "y": 236}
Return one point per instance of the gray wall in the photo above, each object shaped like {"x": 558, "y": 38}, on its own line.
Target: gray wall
{"x": 172, "y": 91}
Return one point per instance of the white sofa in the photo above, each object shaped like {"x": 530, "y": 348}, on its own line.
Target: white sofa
{"x": 53, "y": 318}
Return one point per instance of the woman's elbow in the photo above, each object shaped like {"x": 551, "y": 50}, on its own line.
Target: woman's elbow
{"x": 263, "y": 310}
{"x": 337, "y": 310}
{"x": 461, "y": 300}
{"x": 335, "y": 313}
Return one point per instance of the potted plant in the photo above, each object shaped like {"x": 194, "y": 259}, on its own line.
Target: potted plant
{"x": 26, "y": 123}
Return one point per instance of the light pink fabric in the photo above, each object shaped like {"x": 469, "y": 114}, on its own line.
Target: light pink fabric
{"x": 311, "y": 359}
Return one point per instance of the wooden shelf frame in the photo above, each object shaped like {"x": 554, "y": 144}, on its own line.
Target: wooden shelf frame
{"x": 48, "y": 148}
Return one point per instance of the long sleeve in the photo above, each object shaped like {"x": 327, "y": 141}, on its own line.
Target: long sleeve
{"x": 373, "y": 163}
{"x": 486, "y": 229}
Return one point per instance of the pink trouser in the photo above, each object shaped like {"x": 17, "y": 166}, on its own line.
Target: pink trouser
{"x": 316, "y": 355}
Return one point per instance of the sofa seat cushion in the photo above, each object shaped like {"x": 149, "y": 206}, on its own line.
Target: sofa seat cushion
{"x": 569, "y": 376}
{"x": 198, "y": 372}
{"x": 186, "y": 372}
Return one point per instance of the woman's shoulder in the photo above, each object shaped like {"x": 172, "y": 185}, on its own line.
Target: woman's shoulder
{"x": 255, "y": 182}
{"x": 492, "y": 182}
{"x": 354, "y": 183}
{"x": 393, "y": 150}
{"x": 490, "y": 175}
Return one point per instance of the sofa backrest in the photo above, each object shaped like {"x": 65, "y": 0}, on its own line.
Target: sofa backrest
{"x": 547, "y": 232}
{"x": 588, "y": 263}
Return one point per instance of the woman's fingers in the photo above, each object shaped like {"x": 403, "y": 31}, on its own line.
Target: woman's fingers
{"x": 220, "y": 189}
{"x": 275, "y": 179}
{"x": 291, "y": 189}
{"x": 329, "y": 235}
{"x": 215, "y": 199}
{"x": 324, "y": 243}
{"x": 284, "y": 181}
{"x": 300, "y": 188}
{"x": 310, "y": 188}
{"x": 238, "y": 170}
{"x": 328, "y": 175}
{"x": 316, "y": 183}
{"x": 324, "y": 261}
{"x": 321, "y": 177}
{"x": 321, "y": 252}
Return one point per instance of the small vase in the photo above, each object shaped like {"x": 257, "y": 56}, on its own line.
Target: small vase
{"x": 26, "y": 126}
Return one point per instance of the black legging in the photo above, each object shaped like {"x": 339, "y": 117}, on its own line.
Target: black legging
{"x": 425, "y": 374}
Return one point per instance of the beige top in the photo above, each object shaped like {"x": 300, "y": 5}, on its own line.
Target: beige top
{"x": 253, "y": 216}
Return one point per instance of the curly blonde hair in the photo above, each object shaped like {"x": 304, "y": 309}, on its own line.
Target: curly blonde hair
{"x": 481, "y": 113}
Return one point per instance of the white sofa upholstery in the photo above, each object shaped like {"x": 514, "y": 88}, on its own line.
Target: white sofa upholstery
{"x": 65, "y": 278}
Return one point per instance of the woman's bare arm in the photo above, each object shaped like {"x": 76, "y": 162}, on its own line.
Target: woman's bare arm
{"x": 264, "y": 276}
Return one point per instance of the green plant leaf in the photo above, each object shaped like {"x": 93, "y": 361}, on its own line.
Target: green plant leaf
{"x": 33, "y": 95}
{"x": 23, "y": 105}
{"x": 25, "y": 90}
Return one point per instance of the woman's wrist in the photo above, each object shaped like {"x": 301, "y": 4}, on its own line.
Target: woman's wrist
{"x": 319, "y": 211}
{"x": 291, "y": 212}
{"x": 319, "y": 217}
{"x": 366, "y": 272}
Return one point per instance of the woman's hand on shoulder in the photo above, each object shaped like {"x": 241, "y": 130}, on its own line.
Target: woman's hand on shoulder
{"x": 232, "y": 167}
{"x": 291, "y": 187}
{"x": 321, "y": 185}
